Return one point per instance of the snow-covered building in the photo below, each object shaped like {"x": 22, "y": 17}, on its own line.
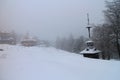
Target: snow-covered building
{"x": 90, "y": 50}
{"x": 7, "y": 38}
{"x": 28, "y": 41}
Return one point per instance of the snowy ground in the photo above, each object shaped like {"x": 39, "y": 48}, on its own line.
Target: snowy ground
{"x": 40, "y": 63}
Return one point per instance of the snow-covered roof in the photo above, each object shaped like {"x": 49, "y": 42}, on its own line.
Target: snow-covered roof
{"x": 28, "y": 40}
{"x": 90, "y": 41}
{"x": 90, "y": 51}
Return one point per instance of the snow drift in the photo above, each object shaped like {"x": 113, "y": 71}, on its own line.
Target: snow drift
{"x": 47, "y": 63}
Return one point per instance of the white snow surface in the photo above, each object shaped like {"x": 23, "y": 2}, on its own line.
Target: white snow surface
{"x": 48, "y": 63}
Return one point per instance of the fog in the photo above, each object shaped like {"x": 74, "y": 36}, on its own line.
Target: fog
{"x": 48, "y": 19}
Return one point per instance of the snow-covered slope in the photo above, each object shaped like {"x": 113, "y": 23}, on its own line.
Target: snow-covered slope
{"x": 40, "y": 63}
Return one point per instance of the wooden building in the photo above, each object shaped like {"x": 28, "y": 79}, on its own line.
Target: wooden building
{"x": 7, "y": 38}
{"x": 28, "y": 41}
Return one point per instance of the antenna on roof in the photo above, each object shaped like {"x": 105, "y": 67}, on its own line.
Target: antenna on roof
{"x": 88, "y": 27}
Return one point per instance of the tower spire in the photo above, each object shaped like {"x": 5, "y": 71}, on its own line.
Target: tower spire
{"x": 88, "y": 18}
{"x": 88, "y": 27}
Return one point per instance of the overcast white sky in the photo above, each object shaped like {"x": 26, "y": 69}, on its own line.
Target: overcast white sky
{"x": 50, "y": 18}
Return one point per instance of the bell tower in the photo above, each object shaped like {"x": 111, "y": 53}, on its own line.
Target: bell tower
{"x": 90, "y": 50}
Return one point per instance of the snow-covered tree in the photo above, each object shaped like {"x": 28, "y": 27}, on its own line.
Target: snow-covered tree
{"x": 102, "y": 37}
{"x": 79, "y": 44}
{"x": 112, "y": 15}
{"x": 70, "y": 44}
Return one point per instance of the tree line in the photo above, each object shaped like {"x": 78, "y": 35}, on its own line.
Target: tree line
{"x": 107, "y": 35}
{"x": 71, "y": 44}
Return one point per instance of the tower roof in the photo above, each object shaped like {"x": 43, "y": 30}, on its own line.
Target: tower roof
{"x": 90, "y": 51}
{"x": 90, "y": 41}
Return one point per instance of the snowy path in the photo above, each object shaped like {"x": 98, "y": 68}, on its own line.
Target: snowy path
{"x": 34, "y": 63}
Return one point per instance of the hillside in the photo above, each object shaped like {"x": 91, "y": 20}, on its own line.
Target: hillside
{"x": 47, "y": 63}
